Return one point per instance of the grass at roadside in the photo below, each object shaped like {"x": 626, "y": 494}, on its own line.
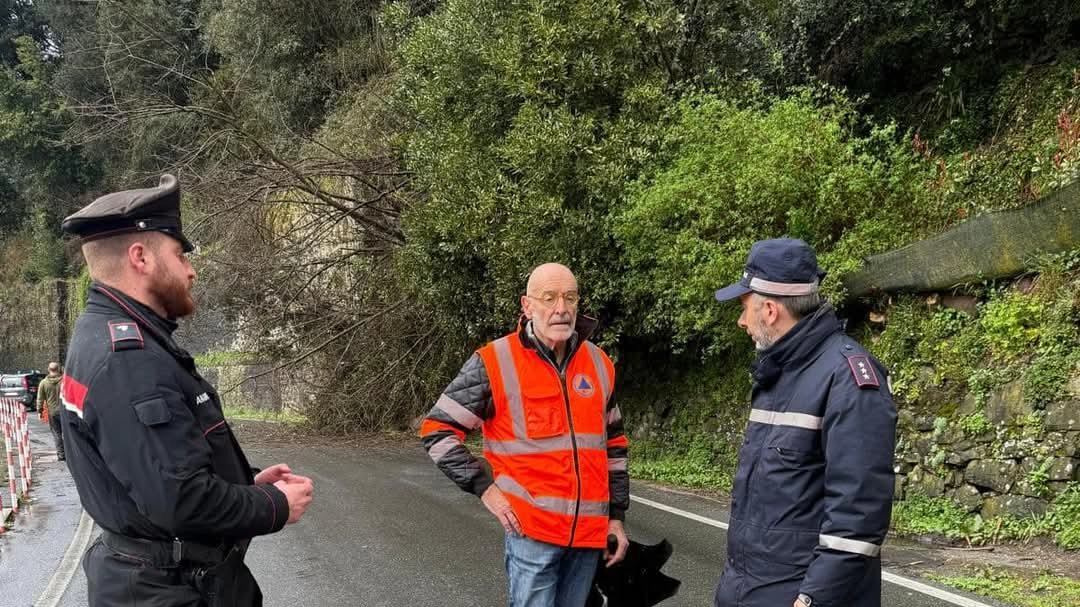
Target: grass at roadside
{"x": 919, "y": 515}
{"x": 264, "y": 415}
{"x": 1038, "y": 590}
{"x": 692, "y": 467}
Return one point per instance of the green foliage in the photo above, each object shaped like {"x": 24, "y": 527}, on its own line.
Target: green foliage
{"x": 735, "y": 173}
{"x": 533, "y": 117}
{"x": 1027, "y": 336}
{"x": 1039, "y": 477}
{"x": 79, "y": 291}
{"x": 646, "y": 145}
{"x": 975, "y": 424}
{"x": 296, "y": 60}
{"x": 40, "y": 170}
{"x": 1011, "y": 324}
{"x": 1065, "y": 515}
{"x": 1042, "y": 590}
{"x": 694, "y": 465}
{"x": 921, "y": 515}
{"x": 927, "y": 60}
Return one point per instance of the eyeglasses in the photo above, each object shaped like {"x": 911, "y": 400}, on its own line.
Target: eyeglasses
{"x": 549, "y": 299}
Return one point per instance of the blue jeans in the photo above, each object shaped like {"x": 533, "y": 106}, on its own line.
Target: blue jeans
{"x": 545, "y": 575}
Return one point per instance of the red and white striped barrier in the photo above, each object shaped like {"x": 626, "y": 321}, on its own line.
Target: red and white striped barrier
{"x": 14, "y": 424}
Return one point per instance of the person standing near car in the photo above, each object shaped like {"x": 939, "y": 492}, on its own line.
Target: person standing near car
{"x": 155, "y": 463}
{"x": 48, "y": 402}
{"x": 553, "y": 435}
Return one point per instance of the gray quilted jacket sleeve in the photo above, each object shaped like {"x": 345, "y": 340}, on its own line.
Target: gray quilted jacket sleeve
{"x": 463, "y": 406}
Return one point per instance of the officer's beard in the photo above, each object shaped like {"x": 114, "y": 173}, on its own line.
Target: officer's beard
{"x": 763, "y": 337}
{"x": 172, "y": 294}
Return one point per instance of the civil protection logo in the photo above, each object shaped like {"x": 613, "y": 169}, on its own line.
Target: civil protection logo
{"x": 583, "y": 385}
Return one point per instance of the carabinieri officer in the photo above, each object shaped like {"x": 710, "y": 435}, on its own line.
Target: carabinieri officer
{"x": 155, "y": 463}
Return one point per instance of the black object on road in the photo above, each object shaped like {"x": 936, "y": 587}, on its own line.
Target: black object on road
{"x": 636, "y": 581}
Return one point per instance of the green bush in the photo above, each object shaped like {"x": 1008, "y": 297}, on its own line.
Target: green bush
{"x": 1066, "y": 518}
{"x": 690, "y": 465}
{"x": 975, "y": 424}
{"x": 531, "y": 120}
{"x": 1011, "y": 324}
{"x": 734, "y": 173}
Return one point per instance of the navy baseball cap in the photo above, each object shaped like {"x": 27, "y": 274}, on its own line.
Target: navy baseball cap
{"x": 784, "y": 267}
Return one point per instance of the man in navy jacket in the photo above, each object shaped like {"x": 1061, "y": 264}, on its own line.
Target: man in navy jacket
{"x": 813, "y": 491}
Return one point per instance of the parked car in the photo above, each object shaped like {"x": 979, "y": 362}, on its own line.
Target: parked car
{"x": 23, "y": 386}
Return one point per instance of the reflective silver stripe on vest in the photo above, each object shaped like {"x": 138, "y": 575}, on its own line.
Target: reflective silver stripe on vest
{"x": 555, "y": 443}
{"x": 616, "y": 464}
{"x": 601, "y": 370}
{"x": 510, "y": 383}
{"x": 458, "y": 413}
{"x": 557, "y": 505}
{"x": 441, "y": 448}
{"x": 780, "y": 418}
{"x": 845, "y": 545}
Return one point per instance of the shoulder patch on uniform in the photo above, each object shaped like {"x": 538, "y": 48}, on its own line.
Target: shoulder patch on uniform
{"x": 125, "y": 335}
{"x": 863, "y": 370}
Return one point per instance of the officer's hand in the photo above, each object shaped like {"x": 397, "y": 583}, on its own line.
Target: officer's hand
{"x": 273, "y": 474}
{"x": 496, "y": 503}
{"x": 299, "y": 496}
{"x": 616, "y": 528}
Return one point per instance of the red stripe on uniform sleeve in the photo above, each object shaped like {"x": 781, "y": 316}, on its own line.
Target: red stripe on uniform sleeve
{"x": 73, "y": 393}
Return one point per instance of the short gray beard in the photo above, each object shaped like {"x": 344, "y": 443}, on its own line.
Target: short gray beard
{"x": 765, "y": 338}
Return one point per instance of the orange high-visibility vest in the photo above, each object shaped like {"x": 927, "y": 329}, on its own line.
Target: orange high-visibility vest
{"x": 547, "y": 441}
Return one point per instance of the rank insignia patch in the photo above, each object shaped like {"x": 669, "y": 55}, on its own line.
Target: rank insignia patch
{"x": 863, "y": 370}
{"x": 125, "y": 335}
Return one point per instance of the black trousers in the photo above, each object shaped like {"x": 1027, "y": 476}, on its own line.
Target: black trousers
{"x": 58, "y": 433}
{"x": 115, "y": 579}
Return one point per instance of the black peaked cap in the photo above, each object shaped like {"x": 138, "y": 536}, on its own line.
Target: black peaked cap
{"x": 146, "y": 209}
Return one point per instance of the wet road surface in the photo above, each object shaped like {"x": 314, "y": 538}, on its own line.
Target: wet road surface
{"x": 33, "y": 546}
{"x": 388, "y": 529}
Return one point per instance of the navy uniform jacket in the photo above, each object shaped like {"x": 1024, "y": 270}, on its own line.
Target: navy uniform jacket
{"x": 146, "y": 440}
{"x": 813, "y": 491}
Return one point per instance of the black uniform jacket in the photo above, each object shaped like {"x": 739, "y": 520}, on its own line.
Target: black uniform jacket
{"x": 813, "y": 491}
{"x": 146, "y": 440}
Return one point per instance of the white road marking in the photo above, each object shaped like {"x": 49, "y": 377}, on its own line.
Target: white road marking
{"x": 892, "y": 578}
{"x": 61, "y": 578}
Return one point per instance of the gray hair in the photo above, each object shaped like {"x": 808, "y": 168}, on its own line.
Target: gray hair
{"x": 796, "y": 305}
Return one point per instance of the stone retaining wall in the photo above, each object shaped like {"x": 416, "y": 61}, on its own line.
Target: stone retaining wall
{"x": 1013, "y": 464}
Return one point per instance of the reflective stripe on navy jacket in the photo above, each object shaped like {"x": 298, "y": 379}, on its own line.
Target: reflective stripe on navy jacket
{"x": 813, "y": 490}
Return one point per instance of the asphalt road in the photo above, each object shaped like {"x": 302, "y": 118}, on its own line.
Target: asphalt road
{"x": 387, "y": 529}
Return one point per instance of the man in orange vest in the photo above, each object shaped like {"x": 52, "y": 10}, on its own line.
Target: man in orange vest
{"x": 544, "y": 398}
